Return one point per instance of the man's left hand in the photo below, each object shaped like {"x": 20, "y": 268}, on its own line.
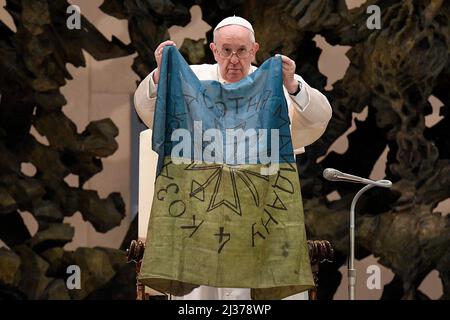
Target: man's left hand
{"x": 288, "y": 74}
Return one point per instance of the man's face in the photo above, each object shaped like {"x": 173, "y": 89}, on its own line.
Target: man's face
{"x": 234, "y": 40}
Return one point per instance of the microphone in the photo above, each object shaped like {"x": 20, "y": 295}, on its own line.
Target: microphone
{"x": 336, "y": 175}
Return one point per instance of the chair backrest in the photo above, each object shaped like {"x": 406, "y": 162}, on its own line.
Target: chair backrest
{"x": 147, "y": 174}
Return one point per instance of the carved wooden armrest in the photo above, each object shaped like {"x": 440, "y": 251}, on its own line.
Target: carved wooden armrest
{"x": 135, "y": 253}
{"x": 319, "y": 251}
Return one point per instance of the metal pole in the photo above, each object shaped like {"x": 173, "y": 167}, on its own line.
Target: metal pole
{"x": 351, "y": 262}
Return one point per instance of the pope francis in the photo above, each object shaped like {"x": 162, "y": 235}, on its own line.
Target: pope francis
{"x": 234, "y": 48}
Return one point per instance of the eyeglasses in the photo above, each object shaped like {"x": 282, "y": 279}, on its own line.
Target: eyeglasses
{"x": 241, "y": 53}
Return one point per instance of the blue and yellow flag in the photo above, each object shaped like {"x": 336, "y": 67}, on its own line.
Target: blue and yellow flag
{"x": 227, "y": 209}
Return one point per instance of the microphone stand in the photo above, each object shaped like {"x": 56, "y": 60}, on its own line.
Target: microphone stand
{"x": 351, "y": 271}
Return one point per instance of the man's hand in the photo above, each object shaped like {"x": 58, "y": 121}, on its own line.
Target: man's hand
{"x": 289, "y": 81}
{"x": 158, "y": 58}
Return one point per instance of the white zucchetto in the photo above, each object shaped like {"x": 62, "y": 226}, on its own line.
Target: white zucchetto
{"x": 235, "y": 21}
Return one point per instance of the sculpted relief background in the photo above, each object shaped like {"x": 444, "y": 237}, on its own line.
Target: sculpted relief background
{"x": 65, "y": 134}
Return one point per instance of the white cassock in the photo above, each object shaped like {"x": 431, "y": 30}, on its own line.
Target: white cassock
{"x": 309, "y": 113}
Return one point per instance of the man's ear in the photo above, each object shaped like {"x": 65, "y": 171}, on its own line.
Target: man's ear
{"x": 212, "y": 46}
{"x": 255, "y": 47}
{"x": 255, "y": 50}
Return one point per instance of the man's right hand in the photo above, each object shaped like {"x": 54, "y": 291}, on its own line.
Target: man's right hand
{"x": 158, "y": 58}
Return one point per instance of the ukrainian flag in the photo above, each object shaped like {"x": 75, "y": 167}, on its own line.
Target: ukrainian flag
{"x": 227, "y": 208}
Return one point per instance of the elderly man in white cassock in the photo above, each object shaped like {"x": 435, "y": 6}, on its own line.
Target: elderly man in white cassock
{"x": 234, "y": 48}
